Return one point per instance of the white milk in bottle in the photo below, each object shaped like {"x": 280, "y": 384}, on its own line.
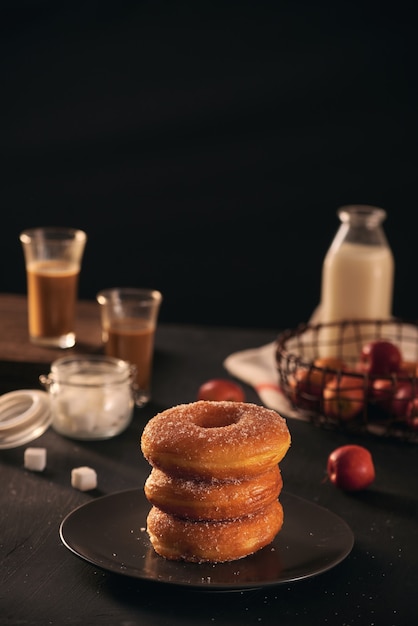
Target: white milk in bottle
{"x": 357, "y": 276}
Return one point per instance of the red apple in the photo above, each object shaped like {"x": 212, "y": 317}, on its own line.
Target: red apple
{"x": 410, "y": 368}
{"x": 382, "y": 388}
{"x": 393, "y": 396}
{"x": 307, "y": 383}
{"x": 330, "y": 363}
{"x": 221, "y": 389}
{"x": 351, "y": 467}
{"x": 412, "y": 414}
{"x": 382, "y": 391}
{"x": 306, "y": 387}
{"x": 401, "y": 398}
{"x": 343, "y": 397}
{"x": 380, "y": 358}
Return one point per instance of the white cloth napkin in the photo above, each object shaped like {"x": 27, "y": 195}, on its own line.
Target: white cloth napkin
{"x": 257, "y": 367}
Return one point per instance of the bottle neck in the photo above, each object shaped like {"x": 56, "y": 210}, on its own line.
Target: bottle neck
{"x": 362, "y": 224}
{"x": 362, "y": 215}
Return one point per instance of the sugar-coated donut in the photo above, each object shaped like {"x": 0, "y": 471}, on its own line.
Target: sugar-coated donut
{"x": 222, "y": 440}
{"x": 219, "y": 541}
{"x": 268, "y": 562}
{"x": 214, "y": 499}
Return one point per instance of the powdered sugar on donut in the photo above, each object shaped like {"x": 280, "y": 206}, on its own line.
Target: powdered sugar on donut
{"x": 223, "y": 440}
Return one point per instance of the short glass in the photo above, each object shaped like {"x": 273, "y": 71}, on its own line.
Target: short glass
{"x": 129, "y": 319}
{"x": 52, "y": 259}
{"x": 91, "y": 397}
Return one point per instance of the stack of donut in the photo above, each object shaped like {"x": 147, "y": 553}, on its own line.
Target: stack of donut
{"x": 215, "y": 479}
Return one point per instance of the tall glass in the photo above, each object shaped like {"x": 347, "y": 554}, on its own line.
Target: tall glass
{"x": 53, "y": 260}
{"x": 129, "y": 319}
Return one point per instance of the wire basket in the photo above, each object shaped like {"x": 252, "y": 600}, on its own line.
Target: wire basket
{"x": 321, "y": 374}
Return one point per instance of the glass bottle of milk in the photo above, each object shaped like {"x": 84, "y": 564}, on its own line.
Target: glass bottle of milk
{"x": 358, "y": 271}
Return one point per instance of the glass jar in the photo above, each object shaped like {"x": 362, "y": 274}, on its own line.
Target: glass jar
{"x": 91, "y": 397}
{"x": 358, "y": 269}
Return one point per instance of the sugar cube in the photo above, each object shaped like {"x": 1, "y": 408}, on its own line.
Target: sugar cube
{"x": 83, "y": 478}
{"x": 35, "y": 459}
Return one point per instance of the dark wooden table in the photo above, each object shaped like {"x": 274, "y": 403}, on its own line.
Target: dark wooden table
{"x": 42, "y": 582}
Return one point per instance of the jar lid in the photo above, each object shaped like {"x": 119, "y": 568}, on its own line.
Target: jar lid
{"x": 89, "y": 371}
{"x": 24, "y": 416}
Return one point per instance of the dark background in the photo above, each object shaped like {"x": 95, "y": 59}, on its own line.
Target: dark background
{"x": 206, "y": 146}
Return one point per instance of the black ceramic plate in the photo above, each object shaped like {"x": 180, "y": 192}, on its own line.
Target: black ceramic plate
{"x": 109, "y": 532}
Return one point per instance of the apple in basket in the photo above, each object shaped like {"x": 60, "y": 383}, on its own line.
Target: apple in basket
{"x": 380, "y": 358}
{"x": 330, "y": 363}
{"x": 410, "y": 368}
{"x": 381, "y": 392}
{"x": 412, "y": 414}
{"x": 343, "y": 397}
{"x": 306, "y": 385}
{"x": 392, "y": 396}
